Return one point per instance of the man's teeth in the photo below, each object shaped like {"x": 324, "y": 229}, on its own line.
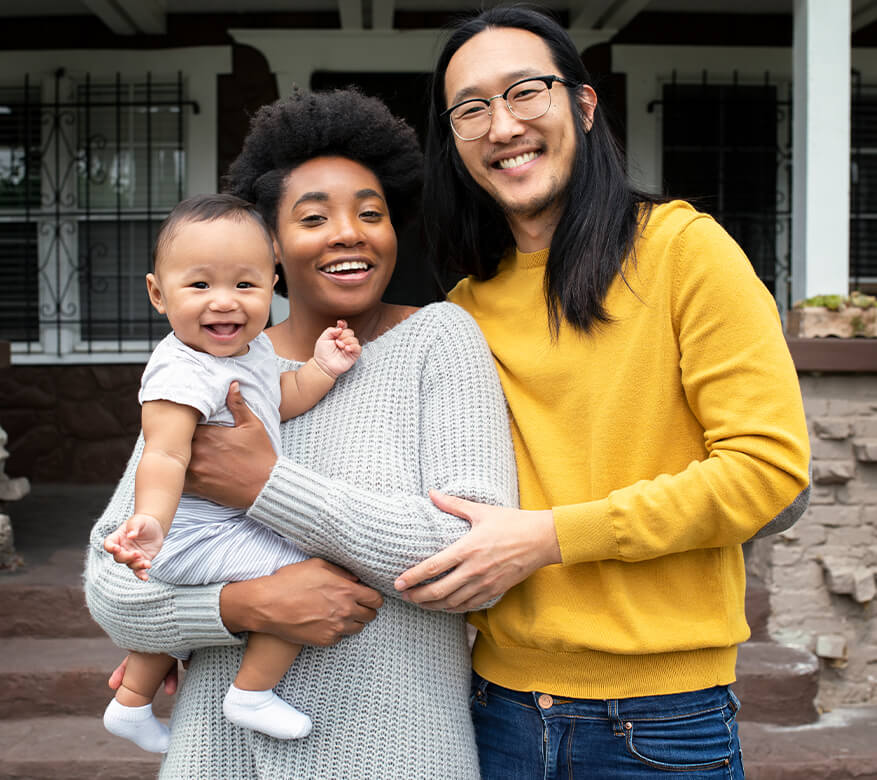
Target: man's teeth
{"x": 514, "y": 162}
{"x": 356, "y": 265}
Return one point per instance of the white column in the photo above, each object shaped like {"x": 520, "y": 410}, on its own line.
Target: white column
{"x": 821, "y": 151}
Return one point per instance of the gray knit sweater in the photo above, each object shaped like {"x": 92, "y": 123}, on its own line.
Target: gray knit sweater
{"x": 422, "y": 408}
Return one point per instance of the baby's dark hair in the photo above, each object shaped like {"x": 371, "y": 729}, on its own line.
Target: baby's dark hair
{"x": 342, "y": 123}
{"x": 206, "y": 208}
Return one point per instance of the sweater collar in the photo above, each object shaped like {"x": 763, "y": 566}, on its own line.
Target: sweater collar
{"x": 521, "y": 260}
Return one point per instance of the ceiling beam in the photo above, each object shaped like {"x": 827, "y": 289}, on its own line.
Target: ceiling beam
{"x": 150, "y": 16}
{"x": 603, "y": 14}
{"x": 382, "y": 14}
{"x": 350, "y": 12}
{"x": 864, "y": 12}
{"x": 112, "y": 16}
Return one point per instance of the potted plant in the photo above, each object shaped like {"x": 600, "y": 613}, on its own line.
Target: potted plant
{"x": 848, "y": 317}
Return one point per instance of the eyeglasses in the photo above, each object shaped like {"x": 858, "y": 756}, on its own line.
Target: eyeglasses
{"x": 526, "y": 99}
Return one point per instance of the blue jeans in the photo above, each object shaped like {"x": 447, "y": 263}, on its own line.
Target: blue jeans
{"x": 527, "y": 736}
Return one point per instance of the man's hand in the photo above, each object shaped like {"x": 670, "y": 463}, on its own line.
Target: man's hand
{"x": 231, "y": 465}
{"x": 308, "y": 603}
{"x": 503, "y": 548}
{"x": 170, "y": 682}
{"x": 136, "y": 543}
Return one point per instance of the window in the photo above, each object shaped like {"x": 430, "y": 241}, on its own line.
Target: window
{"x": 863, "y": 188}
{"x": 721, "y": 150}
{"x": 88, "y": 169}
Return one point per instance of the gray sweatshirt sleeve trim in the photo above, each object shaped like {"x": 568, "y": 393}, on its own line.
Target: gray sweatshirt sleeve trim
{"x": 790, "y": 515}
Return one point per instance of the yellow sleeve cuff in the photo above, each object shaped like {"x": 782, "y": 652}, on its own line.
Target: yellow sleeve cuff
{"x": 585, "y": 532}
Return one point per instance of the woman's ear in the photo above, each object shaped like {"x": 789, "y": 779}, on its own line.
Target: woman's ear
{"x": 154, "y": 291}
{"x": 587, "y": 102}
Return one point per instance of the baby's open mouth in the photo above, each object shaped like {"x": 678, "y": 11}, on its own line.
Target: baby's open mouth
{"x": 224, "y": 328}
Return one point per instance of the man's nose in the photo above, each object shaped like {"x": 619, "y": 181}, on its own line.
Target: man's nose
{"x": 503, "y": 123}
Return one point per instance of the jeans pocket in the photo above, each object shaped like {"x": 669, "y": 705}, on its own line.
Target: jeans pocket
{"x": 687, "y": 743}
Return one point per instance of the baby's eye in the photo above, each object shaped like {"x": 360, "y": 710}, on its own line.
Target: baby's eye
{"x": 245, "y": 285}
{"x": 199, "y": 285}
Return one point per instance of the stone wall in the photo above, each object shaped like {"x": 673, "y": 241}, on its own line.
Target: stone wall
{"x": 70, "y": 423}
{"x": 822, "y": 571}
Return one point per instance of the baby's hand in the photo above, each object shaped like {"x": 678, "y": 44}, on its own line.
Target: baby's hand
{"x": 136, "y": 543}
{"x": 337, "y": 349}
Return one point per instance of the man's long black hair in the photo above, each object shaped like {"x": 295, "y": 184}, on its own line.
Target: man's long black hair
{"x": 468, "y": 233}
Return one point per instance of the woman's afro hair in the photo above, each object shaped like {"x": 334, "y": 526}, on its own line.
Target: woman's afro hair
{"x": 343, "y": 123}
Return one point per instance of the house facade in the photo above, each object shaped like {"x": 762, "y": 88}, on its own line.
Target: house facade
{"x": 763, "y": 112}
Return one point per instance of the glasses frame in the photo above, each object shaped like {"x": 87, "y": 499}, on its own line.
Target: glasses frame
{"x": 549, "y": 82}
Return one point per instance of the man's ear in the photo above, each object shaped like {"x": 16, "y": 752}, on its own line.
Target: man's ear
{"x": 155, "y": 293}
{"x": 587, "y": 102}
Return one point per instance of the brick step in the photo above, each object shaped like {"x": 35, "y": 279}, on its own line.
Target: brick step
{"x": 777, "y": 684}
{"x": 840, "y": 745}
{"x": 69, "y": 748}
{"x": 42, "y": 677}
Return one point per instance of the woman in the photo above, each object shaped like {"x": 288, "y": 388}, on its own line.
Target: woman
{"x": 421, "y": 409}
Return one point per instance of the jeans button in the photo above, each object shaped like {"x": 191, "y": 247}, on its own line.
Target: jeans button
{"x": 628, "y": 725}
{"x": 545, "y": 701}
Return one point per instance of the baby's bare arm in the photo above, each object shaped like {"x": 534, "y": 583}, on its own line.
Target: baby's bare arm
{"x": 167, "y": 432}
{"x": 336, "y": 351}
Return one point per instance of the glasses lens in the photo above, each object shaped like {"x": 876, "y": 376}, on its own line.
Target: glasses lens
{"x": 529, "y": 99}
{"x": 470, "y": 119}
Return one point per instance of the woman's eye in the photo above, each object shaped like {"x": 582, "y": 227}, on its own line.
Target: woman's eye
{"x": 371, "y": 215}
{"x": 313, "y": 219}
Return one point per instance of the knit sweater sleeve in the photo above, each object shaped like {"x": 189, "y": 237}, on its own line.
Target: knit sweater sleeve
{"x": 464, "y": 449}
{"x": 149, "y": 616}
{"x": 740, "y": 383}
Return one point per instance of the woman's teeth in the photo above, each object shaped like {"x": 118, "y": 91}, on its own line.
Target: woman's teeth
{"x": 356, "y": 265}
{"x": 514, "y": 162}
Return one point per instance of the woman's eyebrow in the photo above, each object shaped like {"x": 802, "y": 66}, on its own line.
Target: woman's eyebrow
{"x": 368, "y": 193}
{"x": 322, "y": 197}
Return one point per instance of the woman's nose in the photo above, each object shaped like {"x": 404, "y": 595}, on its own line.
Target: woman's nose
{"x": 346, "y": 233}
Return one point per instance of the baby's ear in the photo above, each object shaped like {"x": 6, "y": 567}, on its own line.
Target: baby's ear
{"x": 154, "y": 290}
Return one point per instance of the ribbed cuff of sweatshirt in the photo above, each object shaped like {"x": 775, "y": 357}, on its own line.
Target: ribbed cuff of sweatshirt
{"x": 198, "y": 616}
{"x": 292, "y": 500}
{"x": 585, "y": 532}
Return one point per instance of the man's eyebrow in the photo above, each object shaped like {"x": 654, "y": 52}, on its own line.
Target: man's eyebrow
{"x": 321, "y": 197}
{"x": 510, "y": 78}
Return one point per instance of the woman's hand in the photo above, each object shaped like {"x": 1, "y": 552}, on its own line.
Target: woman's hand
{"x": 231, "y": 465}
{"x": 308, "y": 603}
{"x": 504, "y": 547}
{"x": 170, "y": 682}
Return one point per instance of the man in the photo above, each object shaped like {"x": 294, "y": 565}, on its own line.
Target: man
{"x": 656, "y": 417}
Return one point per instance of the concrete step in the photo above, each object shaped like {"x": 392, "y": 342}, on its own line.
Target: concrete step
{"x": 72, "y": 748}
{"x": 42, "y": 677}
{"x": 777, "y": 684}
{"x": 757, "y": 608}
{"x": 44, "y": 598}
{"x": 840, "y": 745}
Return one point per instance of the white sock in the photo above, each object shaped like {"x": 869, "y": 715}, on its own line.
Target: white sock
{"x": 265, "y": 711}
{"x": 137, "y": 724}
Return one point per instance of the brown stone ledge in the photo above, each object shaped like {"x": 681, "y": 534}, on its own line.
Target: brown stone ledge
{"x": 834, "y": 355}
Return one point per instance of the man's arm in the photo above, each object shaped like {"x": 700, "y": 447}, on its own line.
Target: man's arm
{"x": 740, "y": 383}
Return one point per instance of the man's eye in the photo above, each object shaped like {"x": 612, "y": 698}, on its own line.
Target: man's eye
{"x": 471, "y": 111}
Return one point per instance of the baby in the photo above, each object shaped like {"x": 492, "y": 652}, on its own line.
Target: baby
{"x": 213, "y": 278}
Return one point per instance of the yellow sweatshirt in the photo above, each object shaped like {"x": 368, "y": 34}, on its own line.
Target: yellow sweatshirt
{"x": 662, "y": 442}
